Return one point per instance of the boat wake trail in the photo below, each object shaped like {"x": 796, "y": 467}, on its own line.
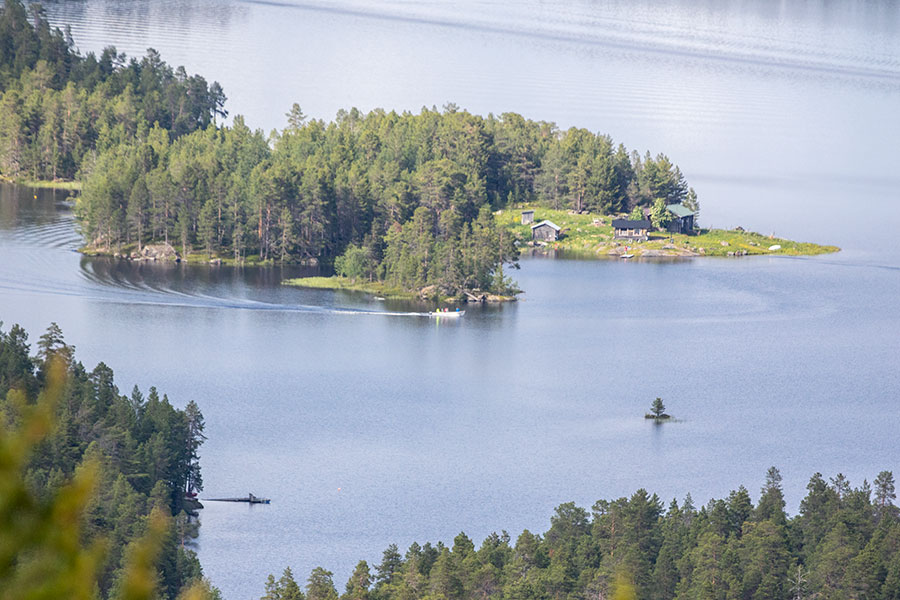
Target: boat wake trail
{"x": 97, "y": 283}
{"x": 40, "y": 260}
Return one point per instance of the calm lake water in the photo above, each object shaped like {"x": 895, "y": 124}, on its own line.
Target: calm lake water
{"x": 366, "y": 428}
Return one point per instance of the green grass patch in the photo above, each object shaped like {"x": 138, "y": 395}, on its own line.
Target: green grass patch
{"x": 592, "y": 235}
{"x": 72, "y": 186}
{"x": 376, "y": 288}
{"x": 199, "y": 257}
{"x": 719, "y": 242}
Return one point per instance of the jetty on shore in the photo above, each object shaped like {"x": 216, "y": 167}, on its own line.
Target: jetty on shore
{"x": 249, "y": 498}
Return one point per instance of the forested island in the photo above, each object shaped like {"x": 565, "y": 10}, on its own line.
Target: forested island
{"x": 844, "y": 543}
{"x": 96, "y": 488}
{"x": 398, "y": 201}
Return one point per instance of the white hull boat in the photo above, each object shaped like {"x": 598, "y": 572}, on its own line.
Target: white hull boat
{"x": 448, "y": 314}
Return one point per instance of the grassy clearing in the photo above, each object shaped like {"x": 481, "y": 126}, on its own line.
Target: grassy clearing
{"x": 199, "y": 257}
{"x": 72, "y": 186}
{"x": 592, "y": 235}
{"x": 376, "y": 288}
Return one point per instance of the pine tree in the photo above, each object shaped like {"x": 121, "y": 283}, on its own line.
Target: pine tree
{"x": 885, "y": 492}
{"x": 740, "y": 509}
{"x": 285, "y": 588}
{"x": 207, "y": 226}
{"x": 195, "y": 438}
{"x": 359, "y": 583}
{"x": 183, "y": 228}
{"x": 295, "y": 117}
{"x": 320, "y": 585}
{"x": 52, "y": 345}
{"x": 764, "y": 561}
{"x": 771, "y": 500}
{"x": 389, "y": 568}
{"x": 138, "y": 203}
{"x": 288, "y": 237}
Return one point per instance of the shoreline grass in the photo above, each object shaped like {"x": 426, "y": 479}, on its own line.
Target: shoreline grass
{"x": 387, "y": 291}
{"x": 591, "y": 236}
{"x": 72, "y": 186}
{"x": 376, "y": 288}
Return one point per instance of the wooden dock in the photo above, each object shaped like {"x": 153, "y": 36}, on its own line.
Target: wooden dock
{"x": 249, "y": 499}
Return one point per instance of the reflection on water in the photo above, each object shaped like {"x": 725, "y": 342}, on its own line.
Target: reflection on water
{"x": 39, "y": 218}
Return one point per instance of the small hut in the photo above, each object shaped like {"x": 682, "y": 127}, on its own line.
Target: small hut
{"x": 682, "y": 219}
{"x": 631, "y": 230}
{"x": 545, "y": 231}
{"x": 527, "y": 217}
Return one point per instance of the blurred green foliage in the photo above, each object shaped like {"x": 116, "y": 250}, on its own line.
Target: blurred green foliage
{"x": 80, "y": 515}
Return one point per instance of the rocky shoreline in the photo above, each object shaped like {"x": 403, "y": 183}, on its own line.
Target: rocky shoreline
{"x": 163, "y": 252}
{"x": 150, "y": 252}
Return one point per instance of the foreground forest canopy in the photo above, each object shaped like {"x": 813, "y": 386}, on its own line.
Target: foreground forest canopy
{"x": 403, "y": 198}
{"x": 122, "y": 466}
{"x": 844, "y": 543}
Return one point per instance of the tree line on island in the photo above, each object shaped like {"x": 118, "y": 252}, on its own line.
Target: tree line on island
{"x": 400, "y": 197}
{"x": 58, "y": 109}
{"x": 96, "y": 487}
{"x": 403, "y": 198}
{"x": 843, "y": 544}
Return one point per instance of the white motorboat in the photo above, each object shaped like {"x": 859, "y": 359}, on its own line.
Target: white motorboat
{"x": 446, "y": 314}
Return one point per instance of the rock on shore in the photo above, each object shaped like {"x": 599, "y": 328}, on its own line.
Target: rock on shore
{"x": 156, "y": 252}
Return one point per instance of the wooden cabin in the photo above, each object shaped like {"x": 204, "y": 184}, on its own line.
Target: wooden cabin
{"x": 626, "y": 229}
{"x": 545, "y": 231}
{"x": 682, "y": 219}
{"x": 527, "y": 217}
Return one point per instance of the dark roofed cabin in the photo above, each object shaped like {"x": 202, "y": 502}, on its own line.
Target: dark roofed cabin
{"x": 545, "y": 231}
{"x": 682, "y": 219}
{"x": 527, "y": 217}
{"x": 631, "y": 230}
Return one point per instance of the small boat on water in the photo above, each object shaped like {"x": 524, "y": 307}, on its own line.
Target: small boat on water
{"x": 628, "y": 256}
{"x": 451, "y": 314}
{"x": 249, "y": 498}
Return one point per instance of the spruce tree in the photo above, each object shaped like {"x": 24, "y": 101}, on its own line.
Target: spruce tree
{"x": 658, "y": 408}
